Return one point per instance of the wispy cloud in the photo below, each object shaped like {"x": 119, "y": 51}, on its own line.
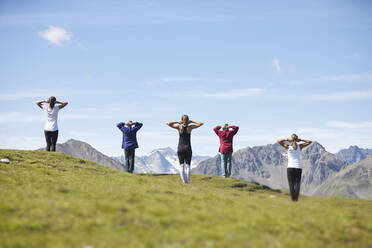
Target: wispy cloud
{"x": 339, "y": 96}
{"x": 81, "y": 45}
{"x": 183, "y": 80}
{"x": 19, "y": 117}
{"x": 253, "y": 93}
{"x": 231, "y": 94}
{"x": 88, "y": 77}
{"x": 353, "y": 56}
{"x": 37, "y": 93}
{"x": 276, "y": 65}
{"x": 350, "y": 125}
{"x": 21, "y": 142}
{"x": 364, "y": 77}
{"x": 55, "y": 35}
{"x": 335, "y": 137}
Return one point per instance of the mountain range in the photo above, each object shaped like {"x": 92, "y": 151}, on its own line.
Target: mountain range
{"x": 354, "y": 154}
{"x": 353, "y": 181}
{"x": 267, "y": 165}
{"x": 162, "y": 160}
{"x": 347, "y": 173}
{"x": 83, "y": 150}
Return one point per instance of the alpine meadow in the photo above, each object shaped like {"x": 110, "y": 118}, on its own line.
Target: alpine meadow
{"x": 56, "y": 200}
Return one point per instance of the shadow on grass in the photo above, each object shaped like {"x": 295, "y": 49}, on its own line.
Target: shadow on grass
{"x": 253, "y": 186}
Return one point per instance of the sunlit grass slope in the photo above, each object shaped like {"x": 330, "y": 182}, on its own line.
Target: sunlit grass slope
{"x": 55, "y": 200}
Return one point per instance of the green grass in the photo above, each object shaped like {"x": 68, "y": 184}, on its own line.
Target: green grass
{"x": 56, "y": 200}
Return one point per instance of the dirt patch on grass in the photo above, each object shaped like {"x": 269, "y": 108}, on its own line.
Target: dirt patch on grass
{"x": 253, "y": 187}
{"x": 239, "y": 185}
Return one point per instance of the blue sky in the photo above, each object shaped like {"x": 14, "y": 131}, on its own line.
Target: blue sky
{"x": 270, "y": 67}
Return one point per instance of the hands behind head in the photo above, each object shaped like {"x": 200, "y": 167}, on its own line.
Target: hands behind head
{"x": 183, "y": 123}
{"x": 129, "y": 123}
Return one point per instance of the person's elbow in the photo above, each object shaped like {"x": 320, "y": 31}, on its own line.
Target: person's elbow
{"x": 201, "y": 124}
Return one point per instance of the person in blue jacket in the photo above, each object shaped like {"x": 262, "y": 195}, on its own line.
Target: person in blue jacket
{"x": 129, "y": 144}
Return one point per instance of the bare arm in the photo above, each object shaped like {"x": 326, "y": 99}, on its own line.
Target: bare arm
{"x": 281, "y": 142}
{"x": 39, "y": 103}
{"x": 197, "y": 124}
{"x": 307, "y": 142}
{"x": 174, "y": 124}
{"x": 63, "y": 104}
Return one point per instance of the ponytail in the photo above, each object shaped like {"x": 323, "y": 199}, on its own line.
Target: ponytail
{"x": 52, "y": 101}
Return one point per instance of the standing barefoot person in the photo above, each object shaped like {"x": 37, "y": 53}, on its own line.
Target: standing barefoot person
{"x": 184, "y": 150}
{"x": 294, "y": 169}
{"x": 129, "y": 144}
{"x": 51, "y": 127}
{"x": 226, "y": 147}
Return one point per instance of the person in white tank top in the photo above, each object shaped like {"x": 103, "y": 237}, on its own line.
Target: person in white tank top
{"x": 51, "y": 110}
{"x": 294, "y": 160}
{"x": 294, "y": 169}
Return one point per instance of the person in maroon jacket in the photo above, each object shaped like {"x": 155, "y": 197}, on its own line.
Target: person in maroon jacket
{"x": 226, "y": 143}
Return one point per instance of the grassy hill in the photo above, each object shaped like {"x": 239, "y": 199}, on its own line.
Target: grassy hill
{"x": 56, "y": 200}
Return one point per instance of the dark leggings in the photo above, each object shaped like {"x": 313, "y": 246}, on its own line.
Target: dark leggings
{"x": 51, "y": 140}
{"x": 294, "y": 182}
{"x": 184, "y": 156}
{"x": 129, "y": 159}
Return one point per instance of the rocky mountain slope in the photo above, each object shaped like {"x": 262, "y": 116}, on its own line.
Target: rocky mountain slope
{"x": 83, "y": 150}
{"x": 353, "y": 181}
{"x": 354, "y": 154}
{"x": 267, "y": 165}
{"x": 162, "y": 160}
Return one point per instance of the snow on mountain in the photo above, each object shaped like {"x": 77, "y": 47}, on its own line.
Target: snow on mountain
{"x": 162, "y": 160}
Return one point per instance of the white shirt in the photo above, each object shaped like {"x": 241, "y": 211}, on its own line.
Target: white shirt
{"x": 51, "y": 117}
{"x": 294, "y": 157}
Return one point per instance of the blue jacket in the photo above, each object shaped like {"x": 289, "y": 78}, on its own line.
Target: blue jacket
{"x": 129, "y": 135}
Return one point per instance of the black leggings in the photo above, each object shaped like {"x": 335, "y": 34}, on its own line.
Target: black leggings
{"x": 129, "y": 159}
{"x": 294, "y": 182}
{"x": 184, "y": 156}
{"x": 51, "y": 140}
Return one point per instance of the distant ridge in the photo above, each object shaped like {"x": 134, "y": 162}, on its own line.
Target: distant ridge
{"x": 354, "y": 181}
{"x": 83, "y": 150}
{"x": 267, "y": 165}
{"x": 324, "y": 173}
{"x": 160, "y": 161}
{"x": 354, "y": 154}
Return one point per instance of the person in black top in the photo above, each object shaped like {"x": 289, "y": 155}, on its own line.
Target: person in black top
{"x": 184, "y": 150}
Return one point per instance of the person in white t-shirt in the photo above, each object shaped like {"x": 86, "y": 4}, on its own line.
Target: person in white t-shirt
{"x": 51, "y": 110}
{"x": 294, "y": 169}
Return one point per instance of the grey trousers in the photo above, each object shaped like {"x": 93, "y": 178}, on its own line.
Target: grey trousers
{"x": 226, "y": 164}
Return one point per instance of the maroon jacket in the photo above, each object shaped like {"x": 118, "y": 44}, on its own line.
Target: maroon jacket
{"x": 226, "y": 138}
